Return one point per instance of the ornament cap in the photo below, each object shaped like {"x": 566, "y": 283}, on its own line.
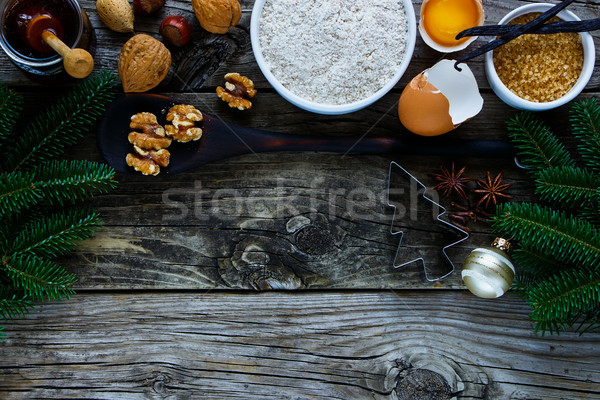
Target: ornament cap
{"x": 502, "y": 244}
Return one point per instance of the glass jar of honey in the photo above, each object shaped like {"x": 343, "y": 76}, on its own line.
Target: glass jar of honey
{"x": 39, "y": 61}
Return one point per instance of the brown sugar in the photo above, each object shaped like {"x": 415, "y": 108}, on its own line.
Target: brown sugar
{"x": 539, "y": 68}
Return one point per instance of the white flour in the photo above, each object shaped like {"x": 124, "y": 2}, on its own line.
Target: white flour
{"x": 333, "y": 51}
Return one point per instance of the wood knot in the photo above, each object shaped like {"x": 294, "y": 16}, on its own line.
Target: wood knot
{"x": 423, "y": 384}
{"x": 313, "y": 240}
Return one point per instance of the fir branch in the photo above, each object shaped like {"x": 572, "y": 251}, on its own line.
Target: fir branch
{"x": 590, "y": 214}
{"x": 55, "y": 181}
{"x": 73, "y": 180}
{"x": 57, "y": 234}
{"x": 63, "y": 123}
{"x": 17, "y": 191}
{"x": 569, "y": 186}
{"x": 585, "y": 119}
{"x": 13, "y": 304}
{"x": 536, "y": 145}
{"x": 561, "y": 300}
{"x": 11, "y": 106}
{"x": 38, "y": 277}
{"x": 536, "y": 264}
{"x": 551, "y": 232}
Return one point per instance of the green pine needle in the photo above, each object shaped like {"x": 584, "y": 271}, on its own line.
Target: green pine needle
{"x": 11, "y": 105}
{"x": 559, "y": 301}
{"x": 537, "y": 147}
{"x": 569, "y": 186}
{"x": 38, "y": 277}
{"x": 17, "y": 190}
{"x": 536, "y": 264}
{"x": 56, "y": 182}
{"x": 57, "y": 234}
{"x": 63, "y": 123}
{"x": 13, "y": 304}
{"x": 585, "y": 118}
{"x": 73, "y": 180}
{"x": 551, "y": 232}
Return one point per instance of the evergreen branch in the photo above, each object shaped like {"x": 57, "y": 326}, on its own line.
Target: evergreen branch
{"x": 569, "y": 186}
{"x": 58, "y": 181}
{"x": 536, "y": 145}
{"x": 57, "y": 234}
{"x": 64, "y": 123}
{"x": 38, "y": 277}
{"x": 536, "y": 264}
{"x": 585, "y": 119}
{"x": 562, "y": 299}
{"x": 73, "y": 180}
{"x": 13, "y": 305}
{"x": 590, "y": 214}
{"x": 565, "y": 238}
{"x": 11, "y": 106}
{"x": 17, "y": 190}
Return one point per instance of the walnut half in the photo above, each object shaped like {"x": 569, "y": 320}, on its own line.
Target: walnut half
{"x": 238, "y": 89}
{"x": 183, "y": 117}
{"x": 148, "y": 162}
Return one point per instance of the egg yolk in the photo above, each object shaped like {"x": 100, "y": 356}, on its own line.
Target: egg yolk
{"x": 444, "y": 19}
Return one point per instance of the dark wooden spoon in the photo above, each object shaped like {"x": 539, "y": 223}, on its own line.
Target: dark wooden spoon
{"x": 223, "y": 139}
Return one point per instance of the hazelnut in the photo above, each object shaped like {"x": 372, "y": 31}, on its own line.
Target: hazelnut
{"x": 147, "y": 7}
{"x": 217, "y": 16}
{"x": 176, "y": 30}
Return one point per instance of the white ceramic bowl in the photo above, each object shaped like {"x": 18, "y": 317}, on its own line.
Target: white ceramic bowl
{"x": 447, "y": 49}
{"x": 331, "y": 109}
{"x": 589, "y": 58}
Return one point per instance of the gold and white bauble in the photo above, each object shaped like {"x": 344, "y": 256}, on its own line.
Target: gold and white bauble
{"x": 488, "y": 271}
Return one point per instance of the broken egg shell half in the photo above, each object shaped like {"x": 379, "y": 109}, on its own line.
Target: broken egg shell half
{"x": 439, "y": 99}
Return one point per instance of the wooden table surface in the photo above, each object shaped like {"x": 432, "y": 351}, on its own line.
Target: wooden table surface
{"x": 270, "y": 275}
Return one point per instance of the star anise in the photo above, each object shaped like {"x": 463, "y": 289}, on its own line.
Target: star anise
{"x": 491, "y": 190}
{"x": 451, "y": 182}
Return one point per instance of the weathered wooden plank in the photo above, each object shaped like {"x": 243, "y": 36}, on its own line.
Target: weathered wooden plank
{"x": 292, "y": 346}
{"x": 202, "y": 64}
{"x": 293, "y": 223}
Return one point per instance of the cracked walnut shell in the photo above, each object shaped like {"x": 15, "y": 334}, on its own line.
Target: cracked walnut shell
{"x": 237, "y": 90}
{"x": 143, "y": 63}
{"x": 182, "y": 117}
{"x": 217, "y": 16}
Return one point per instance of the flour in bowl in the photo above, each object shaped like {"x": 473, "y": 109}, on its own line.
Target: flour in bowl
{"x": 333, "y": 51}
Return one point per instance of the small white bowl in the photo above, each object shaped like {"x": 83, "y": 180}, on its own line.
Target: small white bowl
{"x": 589, "y": 58}
{"x": 331, "y": 109}
{"x": 448, "y": 49}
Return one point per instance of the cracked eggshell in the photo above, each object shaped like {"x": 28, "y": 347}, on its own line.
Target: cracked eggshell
{"x": 439, "y": 99}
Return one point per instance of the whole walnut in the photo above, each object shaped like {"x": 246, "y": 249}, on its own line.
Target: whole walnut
{"x": 217, "y": 16}
{"x": 143, "y": 63}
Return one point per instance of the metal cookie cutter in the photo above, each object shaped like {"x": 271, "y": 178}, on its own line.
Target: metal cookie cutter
{"x": 416, "y": 248}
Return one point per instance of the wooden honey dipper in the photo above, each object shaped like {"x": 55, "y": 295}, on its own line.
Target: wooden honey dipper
{"x": 45, "y": 29}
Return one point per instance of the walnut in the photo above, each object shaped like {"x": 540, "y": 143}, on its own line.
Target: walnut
{"x": 143, "y": 63}
{"x": 237, "y": 89}
{"x": 146, "y": 141}
{"x": 148, "y": 162}
{"x": 152, "y": 135}
{"x": 217, "y": 16}
{"x": 183, "y": 118}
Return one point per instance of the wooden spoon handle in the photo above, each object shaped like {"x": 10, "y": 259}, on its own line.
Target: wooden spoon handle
{"x": 58, "y": 45}
{"x": 77, "y": 62}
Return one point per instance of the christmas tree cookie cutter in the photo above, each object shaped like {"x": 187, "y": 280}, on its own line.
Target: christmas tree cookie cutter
{"x": 408, "y": 253}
